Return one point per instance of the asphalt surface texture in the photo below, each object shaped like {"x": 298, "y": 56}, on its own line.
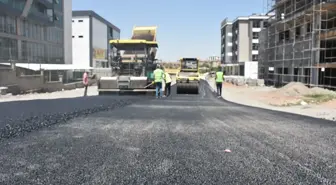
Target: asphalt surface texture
{"x": 182, "y": 139}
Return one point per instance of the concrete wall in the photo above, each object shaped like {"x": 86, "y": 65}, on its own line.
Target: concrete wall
{"x": 7, "y": 77}
{"x": 67, "y": 14}
{"x": 81, "y": 46}
{"x": 28, "y": 83}
{"x": 99, "y": 34}
{"x": 251, "y": 70}
{"x": 243, "y": 42}
{"x": 16, "y": 84}
{"x": 102, "y": 72}
{"x": 99, "y": 40}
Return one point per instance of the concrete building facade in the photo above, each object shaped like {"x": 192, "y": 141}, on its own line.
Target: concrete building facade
{"x": 245, "y": 43}
{"x": 226, "y": 42}
{"x": 90, "y": 36}
{"x": 299, "y": 43}
{"x": 36, "y": 31}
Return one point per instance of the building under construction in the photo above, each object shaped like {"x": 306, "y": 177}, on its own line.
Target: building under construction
{"x": 299, "y": 43}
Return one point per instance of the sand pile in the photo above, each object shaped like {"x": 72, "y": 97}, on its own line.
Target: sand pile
{"x": 294, "y": 89}
{"x": 299, "y": 89}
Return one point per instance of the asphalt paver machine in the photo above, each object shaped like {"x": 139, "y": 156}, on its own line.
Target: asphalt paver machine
{"x": 132, "y": 65}
{"x": 188, "y": 77}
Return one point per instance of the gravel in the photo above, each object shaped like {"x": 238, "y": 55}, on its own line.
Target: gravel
{"x": 178, "y": 140}
{"x": 21, "y": 117}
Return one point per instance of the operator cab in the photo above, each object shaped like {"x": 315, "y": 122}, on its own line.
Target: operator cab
{"x": 189, "y": 64}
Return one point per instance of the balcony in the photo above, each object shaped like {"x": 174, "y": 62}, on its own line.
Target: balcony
{"x": 10, "y": 9}
{"x": 47, "y": 3}
{"x": 42, "y": 13}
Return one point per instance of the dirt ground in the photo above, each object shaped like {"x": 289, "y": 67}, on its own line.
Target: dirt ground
{"x": 294, "y": 98}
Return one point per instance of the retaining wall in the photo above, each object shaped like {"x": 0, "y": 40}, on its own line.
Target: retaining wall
{"x": 240, "y": 81}
{"x": 29, "y": 83}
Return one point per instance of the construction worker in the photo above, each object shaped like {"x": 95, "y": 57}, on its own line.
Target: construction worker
{"x": 85, "y": 82}
{"x": 158, "y": 77}
{"x": 219, "y": 81}
{"x": 168, "y": 83}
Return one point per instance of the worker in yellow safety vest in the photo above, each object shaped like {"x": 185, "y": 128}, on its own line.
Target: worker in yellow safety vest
{"x": 158, "y": 77}
{"x": 219, "y": 81}
{"x": 168, "y": 83}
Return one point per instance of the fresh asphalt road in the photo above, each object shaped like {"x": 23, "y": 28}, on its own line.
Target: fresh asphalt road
{"x": 178, "y": 140}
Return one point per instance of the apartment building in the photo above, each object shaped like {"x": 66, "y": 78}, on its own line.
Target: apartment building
{"x": 90, "y": 36}
{"x": 245, "y": 43}
{"x": 299, "y": 43}
{"x": 35, "y": 32}
{"x": 226, "y": 42}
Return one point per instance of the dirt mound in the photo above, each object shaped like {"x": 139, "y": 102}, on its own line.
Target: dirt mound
{"x": 294, "y": 89}
{"x": 317, "y": 90}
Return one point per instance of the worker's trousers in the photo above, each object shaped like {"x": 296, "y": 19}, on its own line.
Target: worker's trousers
{"x": 168, "y": 89}
{"x": 85, "y": 90}
{"x": 158, "y": 89}
{"x": 219, "y": 88}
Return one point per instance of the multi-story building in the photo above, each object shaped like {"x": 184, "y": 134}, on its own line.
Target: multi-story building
{"x": 298, "y": 44}
{"x": 245, "y": 43}
{"x": 90, "y": 36}
{"x": 35, "y": 31}
{"x": 226, "y": 42}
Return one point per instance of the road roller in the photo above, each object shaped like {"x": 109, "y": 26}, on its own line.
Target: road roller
{"x": 188, "y": 77}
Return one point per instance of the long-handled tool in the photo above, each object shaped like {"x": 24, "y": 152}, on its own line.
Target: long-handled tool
{"x": 149, "y": 85}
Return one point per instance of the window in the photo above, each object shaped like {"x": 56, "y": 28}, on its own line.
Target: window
{"x": 287, "y": 35}
{"x": 255, "y": 46}
{"x": 116, "y": 35}
{"x": 8, "y": 49}
{"x": 81, "y": 36}
{"x": 111, "y": 32}
{"x": 256, "y": 24}
{"x": 308, "y": 29}
{"x": 8, "y": 24}
{"x": 2, "y": 23}
{"x": 255, "y": 35}
{"x": 265, "y": 24}
{"x": 18, "y": 4}
{"x": 80, "y": 20}
{"x": 254, "y": 57}
{"x": 73, "y": 21}
{"x": 297, "y": 32}
{"x": 73, "y": 36}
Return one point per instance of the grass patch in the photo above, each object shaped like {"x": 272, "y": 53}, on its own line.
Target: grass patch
{"x": 319, "y": 98}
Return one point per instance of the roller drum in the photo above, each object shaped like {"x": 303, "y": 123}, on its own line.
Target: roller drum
{"x": 187, "y": 88}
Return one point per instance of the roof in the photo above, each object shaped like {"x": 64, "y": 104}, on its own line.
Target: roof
{"x": 225, "y": 22}
{"x": 252, "y": 17}
{"x": 48, "y": 67}
{"x": 78, "y": 13}
{"x": 133, "y": 43}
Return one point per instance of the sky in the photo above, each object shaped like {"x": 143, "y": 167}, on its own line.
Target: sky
{"x": 186, "y": 28}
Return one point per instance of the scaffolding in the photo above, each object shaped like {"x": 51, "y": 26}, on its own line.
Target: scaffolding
{"x": 299, "y": 43}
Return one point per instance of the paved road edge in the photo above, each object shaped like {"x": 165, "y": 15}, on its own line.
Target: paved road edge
{"x": 205, "y": 78}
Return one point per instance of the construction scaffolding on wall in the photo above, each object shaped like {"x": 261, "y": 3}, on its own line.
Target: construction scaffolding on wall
{"x": 299, "y": 43}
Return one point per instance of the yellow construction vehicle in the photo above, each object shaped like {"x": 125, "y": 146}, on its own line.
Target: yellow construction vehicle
{"x": 133, "y": 71}
{"x": 132, "y": 63}
{"x": 188, "y": 77}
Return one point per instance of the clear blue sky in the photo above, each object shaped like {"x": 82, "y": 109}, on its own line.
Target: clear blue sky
{"x": 186, "y": 28}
